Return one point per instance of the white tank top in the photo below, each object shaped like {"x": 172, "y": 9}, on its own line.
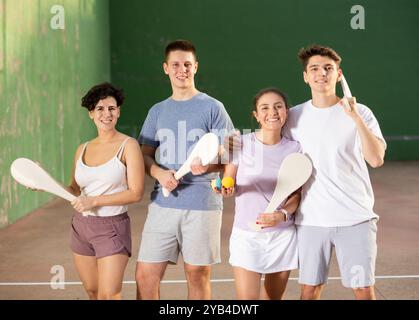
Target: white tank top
{"x": 107, "y": 178}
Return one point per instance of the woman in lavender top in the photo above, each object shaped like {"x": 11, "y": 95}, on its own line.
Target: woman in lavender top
{"x": 271, "y": 250}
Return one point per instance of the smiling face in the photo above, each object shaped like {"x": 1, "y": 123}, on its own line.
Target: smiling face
{"x": 181, "y": 67}
{"x": 321, "y": 74}
{"x": 105, "y": 114}
{"x": 271, "y": 111}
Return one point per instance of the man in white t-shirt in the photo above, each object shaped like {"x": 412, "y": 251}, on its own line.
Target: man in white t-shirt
{"x": 336, "y": 209}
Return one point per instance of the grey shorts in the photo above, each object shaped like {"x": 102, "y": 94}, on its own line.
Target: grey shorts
{"x": 356, "y": 251}
{"x": 101, "y": 236}
{"x": 168, "y": 232}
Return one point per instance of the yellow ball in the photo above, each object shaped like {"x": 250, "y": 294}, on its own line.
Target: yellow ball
{"x": 228, "y": 182}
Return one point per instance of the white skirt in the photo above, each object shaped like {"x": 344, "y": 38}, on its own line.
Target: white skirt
{"x": 264, "y": 252}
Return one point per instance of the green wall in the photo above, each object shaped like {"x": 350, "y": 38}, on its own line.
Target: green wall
{"x": 43, "y": 74}
{"x": 245, "y": 45}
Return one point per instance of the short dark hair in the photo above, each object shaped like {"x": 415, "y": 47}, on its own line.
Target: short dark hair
{"x": 102, "y": 91}
{"x": 269, "y": 90}
{"x": 317, "y": 50}
{"x": 183, "y": 45}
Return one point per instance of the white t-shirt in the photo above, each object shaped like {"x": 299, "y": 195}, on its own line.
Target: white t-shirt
{"x": 339, "y": 192}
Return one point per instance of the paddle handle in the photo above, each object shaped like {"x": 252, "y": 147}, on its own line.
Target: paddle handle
{"x": 179, "y": 174}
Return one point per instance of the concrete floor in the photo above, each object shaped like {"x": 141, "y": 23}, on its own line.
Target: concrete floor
{"x": 31, "y": 247}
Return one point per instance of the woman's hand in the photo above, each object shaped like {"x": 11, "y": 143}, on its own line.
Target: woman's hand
{"x": 266, "y": 220}
{"x": 82, "y": 203}
{"x": 225, "y": 192}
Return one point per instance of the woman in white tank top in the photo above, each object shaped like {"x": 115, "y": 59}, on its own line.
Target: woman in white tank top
{"x": 108, "y": 174}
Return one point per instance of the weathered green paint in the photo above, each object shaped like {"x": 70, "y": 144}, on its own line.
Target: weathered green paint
{"x": 245, "y": 45}
{"x": 43, "y": 74}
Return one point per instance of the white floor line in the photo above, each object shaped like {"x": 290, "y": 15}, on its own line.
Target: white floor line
{"x": 76, "y": 283}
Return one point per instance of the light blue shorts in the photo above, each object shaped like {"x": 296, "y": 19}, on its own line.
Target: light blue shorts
{"x": 168, "y": 232}
{"x": 356, "y": 252}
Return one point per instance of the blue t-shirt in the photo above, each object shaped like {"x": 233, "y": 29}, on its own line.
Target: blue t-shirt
{"x": 173, "y": 127}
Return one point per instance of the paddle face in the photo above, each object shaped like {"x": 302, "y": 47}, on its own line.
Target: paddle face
{"x": 346, "y": 92}
{"x": 345, "y": 88}
{"x": 206, "y": 149}
{"x": 31, "y": 175}
{"x": 294, "y": 171}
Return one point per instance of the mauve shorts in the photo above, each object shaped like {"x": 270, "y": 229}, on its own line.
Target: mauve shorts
{"x": 101, "y": 236}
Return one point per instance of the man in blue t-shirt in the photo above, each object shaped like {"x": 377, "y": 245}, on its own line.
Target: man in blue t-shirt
{"x": 188, "y": 221}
